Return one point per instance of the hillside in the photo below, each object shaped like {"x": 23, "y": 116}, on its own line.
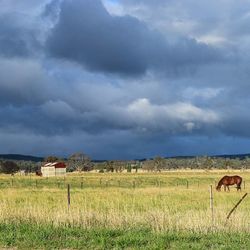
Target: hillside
{"x": 20, "y": 157}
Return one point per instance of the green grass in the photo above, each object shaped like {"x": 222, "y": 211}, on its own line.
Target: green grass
{"x": 33, "y": 236}
{"x": 109, "y": 211}
{"x": 123, "y": 180}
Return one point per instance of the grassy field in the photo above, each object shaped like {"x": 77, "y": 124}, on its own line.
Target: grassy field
{"x": 123, "y": 211}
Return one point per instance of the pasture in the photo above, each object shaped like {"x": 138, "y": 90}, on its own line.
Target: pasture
{"x": 123, "y": 210}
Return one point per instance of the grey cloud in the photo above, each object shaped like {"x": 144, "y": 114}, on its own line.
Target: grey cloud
{"x": 14, "y": 40}
{"x": 34, "y": 101}
{"x": 120, "y": 44}
{"x": 51, "y": 11}
{"x": 20, "y": 28}
{"x": 51, "y": 106}
{"x": 22, "y": 82}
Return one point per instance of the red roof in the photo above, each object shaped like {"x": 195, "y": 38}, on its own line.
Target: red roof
{"x": 56, "y": 164}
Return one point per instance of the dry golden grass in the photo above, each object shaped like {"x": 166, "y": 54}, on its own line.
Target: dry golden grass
{"x": 163, "y": 207}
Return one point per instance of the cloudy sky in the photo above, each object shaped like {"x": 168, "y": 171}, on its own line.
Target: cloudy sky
{"x": 124, "y": 79}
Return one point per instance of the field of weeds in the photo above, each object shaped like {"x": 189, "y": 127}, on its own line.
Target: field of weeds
{"x": 172, "y": 203}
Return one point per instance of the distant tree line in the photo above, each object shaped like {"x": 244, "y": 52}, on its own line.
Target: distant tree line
{"x": 81, "y": 162}
{"x": 201, "y": 162}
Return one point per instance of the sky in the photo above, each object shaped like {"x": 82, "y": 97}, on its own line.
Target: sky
{"x": 124, "y": 79}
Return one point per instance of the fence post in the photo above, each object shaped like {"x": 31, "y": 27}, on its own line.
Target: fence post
{"x": 238, "y": 203}
{"x": 68, "y": 197}
{"x": 212, "y": 204}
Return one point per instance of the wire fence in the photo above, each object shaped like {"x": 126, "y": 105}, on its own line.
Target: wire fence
{"x": 107, "y": 182}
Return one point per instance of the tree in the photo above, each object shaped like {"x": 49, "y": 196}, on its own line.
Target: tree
{"x": 80, "y": 162}
{"x": 159, "y": 163}
{"x": 51, "y": 158}
{"x": 148, "y": 165}
{"x": 109, "y": 165}
{"x": 9, "y": 167}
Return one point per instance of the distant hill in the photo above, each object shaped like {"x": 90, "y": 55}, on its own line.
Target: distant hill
{"x": 240, "y": 156}
{"x": 18, "y": 157}
{"x": 229, "y": 156}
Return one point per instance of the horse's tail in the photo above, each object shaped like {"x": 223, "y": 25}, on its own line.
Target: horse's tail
{"x": 239, "y": 183}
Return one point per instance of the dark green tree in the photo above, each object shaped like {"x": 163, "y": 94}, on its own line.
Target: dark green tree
{"x": 9, "y": 167}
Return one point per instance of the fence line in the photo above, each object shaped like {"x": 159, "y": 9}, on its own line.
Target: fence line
{"x": 77, "y": 182}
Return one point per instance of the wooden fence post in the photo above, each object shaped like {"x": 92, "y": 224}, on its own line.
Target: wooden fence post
{"x": 212, "y": 204}
{"x": 68, "y": 197}
{"x": 238, "y": 203}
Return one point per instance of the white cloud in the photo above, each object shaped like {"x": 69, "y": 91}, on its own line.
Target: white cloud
{"x": 170, "y": 117}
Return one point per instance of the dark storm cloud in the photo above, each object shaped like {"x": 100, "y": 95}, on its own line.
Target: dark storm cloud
{"x": 88, "y": 34}
{"x": 34, "y": 101}
{"x": 57, "y": 98}
{"x": 22, "y": 82}
{"x": 51, "y": 10}
{"x": 20, "y": 28}
{"x": 14, "y": 40}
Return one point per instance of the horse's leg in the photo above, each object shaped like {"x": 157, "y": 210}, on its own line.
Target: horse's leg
{"x": 228, "y": 189}
{"x": 224, "y": 188}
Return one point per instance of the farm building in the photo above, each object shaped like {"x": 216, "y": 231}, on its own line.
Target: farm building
{"x": 53, "y": 169}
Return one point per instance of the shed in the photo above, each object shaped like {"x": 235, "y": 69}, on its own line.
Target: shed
{"x": 53, "y": 169}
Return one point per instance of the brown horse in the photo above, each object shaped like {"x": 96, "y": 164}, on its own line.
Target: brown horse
{"x": 229, "y": 180}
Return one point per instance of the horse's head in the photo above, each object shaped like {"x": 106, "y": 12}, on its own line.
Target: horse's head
{"x": 218, "y": 188}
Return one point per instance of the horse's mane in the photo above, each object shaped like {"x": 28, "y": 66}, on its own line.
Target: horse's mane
{"x": 221, "y": 180}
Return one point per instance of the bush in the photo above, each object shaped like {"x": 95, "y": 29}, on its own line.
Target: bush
{"x": 9, "y": 167}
